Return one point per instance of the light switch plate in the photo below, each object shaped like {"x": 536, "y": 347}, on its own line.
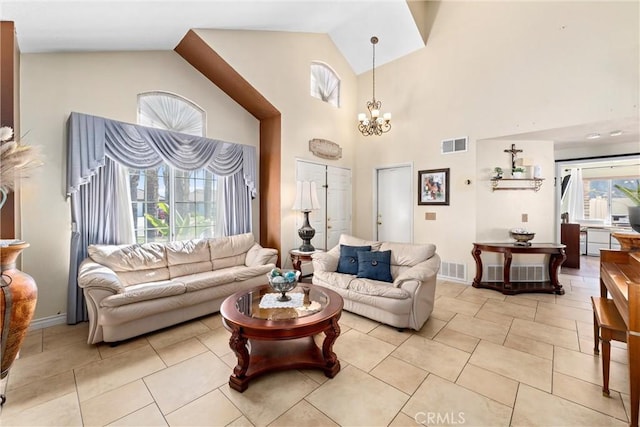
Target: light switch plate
{"x": 525, "y": 217}
{"x": 430, "y": 216}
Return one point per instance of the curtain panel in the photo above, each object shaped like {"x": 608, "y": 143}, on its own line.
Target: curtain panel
{"x": 98, "y": 152}
{"x": 91, "y": 138}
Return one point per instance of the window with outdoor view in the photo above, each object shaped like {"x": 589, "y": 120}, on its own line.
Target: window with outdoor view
{"x": 167, "y": 203}
{"x": 606, "y": 202}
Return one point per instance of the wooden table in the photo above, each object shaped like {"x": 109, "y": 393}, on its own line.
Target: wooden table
{"x": 556, "y": 258}
{"x": 620, "y": 277}
{"x": 269, "y": 339}
{"x": 297, "y": 256}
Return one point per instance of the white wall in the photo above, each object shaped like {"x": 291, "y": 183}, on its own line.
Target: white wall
{"x": 102, "y": 84}
{"x": 278, "y": 64}
{"x": 594, "y": 150}
{"x": 491, "y": 69}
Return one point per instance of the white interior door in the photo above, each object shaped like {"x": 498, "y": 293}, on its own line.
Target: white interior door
{"x": 394, "y": 209}
{"x": 338, "y": 204}
{"x": 306, "y": 171}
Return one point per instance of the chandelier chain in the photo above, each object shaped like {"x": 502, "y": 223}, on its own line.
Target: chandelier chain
{"x": 374, "y": 40}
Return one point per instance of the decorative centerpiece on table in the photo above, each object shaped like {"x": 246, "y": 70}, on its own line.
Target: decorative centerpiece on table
{"x": 19, "y": 291}
{"x": 283, "y": 282}
{"x": 521, "y": 236}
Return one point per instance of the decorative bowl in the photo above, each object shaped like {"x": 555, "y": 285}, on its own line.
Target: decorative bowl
{"x": 521, "y": 236}
{"x": 283, "y": 281}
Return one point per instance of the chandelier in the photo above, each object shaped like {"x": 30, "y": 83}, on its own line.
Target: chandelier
{"x": 374, "y": 124}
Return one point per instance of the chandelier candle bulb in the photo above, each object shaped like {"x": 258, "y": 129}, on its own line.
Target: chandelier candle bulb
{"x": 375, "y": 114}
{"x": 362, "y": 117}
{"x": 387, "y": 116}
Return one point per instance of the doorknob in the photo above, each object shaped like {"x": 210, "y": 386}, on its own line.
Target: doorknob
{"x": 328, "y": 226}
{"x": 379, "y": 222}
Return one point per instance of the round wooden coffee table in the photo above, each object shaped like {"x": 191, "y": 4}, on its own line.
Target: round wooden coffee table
{"x": 269, "y": 339}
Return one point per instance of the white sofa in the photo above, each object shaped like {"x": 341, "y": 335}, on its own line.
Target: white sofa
{"x": 134, "y": 289}
{"x": 406, "y": 302}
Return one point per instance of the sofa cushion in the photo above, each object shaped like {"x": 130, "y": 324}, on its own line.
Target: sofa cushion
{"x": 231, "y": 250}
{"x": 144, "y": 292}
{"x": 187, "y": 251}
{"x": 375, "y": 265}
{"x": 333, "y": 279}
{"x": 377, "y": 288}
{"x": 129, "y": 257}
{"x": 241, "y": 273}
{"x": 346, "y": 239}
{"x": 348, "y": 261}
{"x": 407, "y": 254}
{"x": 207, "y": 279}
{"x": 130, "y": 278}
{"x": 192, "y": 268}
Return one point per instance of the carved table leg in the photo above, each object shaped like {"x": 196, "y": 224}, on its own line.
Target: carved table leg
{"x": 238, "y": 344}
{"x": 555, "y": 261}
{"x": 506, "y": 270}
{"x": 476, "y": 256}
{"x": 331, "y": 360}
{"x": 296, "y": 261}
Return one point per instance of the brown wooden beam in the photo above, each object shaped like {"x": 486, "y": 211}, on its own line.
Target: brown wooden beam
{"x": 9, "y": 60}
{"x": 204, "y": 59}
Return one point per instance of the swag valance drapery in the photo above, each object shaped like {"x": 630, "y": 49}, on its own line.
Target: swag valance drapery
{"x": 91, "y": 138}
{"x": 99, "y": 151}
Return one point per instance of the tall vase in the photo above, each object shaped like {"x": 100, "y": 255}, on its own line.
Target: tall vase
{"x": 17, "y": 304}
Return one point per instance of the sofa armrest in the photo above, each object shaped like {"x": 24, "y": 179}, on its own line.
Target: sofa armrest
{"x": 94, "y": 275}
{"x": 257, "y": 255}
{"x": 421, "y": 272}
{"x": 325, "y": 261}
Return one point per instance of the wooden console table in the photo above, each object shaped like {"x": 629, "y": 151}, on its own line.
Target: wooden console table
{"x": 620, "y": 277}
{"x": 556, "y": 258}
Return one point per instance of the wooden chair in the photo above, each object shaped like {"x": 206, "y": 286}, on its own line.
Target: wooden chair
{"x": 607, "y": 325}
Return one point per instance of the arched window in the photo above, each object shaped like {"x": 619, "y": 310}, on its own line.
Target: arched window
{"x": 167, "y": 203}
{"x": 165, "y": 110}
{"x": 325, "y": 83}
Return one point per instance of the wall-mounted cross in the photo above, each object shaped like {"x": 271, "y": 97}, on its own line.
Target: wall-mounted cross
{"x": 514, "y": 152}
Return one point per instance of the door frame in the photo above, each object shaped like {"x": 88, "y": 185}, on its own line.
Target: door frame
{"x": 374, "y": 208}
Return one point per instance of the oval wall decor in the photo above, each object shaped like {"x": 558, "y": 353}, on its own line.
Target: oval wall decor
{"x": 325, "y": 149}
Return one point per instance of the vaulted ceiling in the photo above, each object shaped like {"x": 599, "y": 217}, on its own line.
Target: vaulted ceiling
{"x": 98, "y": 25}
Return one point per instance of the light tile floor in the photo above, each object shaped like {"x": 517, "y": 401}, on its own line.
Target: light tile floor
{"x": 483, "y": 359}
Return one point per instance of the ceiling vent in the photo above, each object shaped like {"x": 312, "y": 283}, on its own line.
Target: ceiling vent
{"x": 454, "y": 145}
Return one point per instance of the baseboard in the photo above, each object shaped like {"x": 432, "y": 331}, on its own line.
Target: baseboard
{"x": 45, "y": 322}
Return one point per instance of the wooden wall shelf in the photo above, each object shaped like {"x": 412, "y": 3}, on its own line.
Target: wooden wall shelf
{"x": 516, "y": 183}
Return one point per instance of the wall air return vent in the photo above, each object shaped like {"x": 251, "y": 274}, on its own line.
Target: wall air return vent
{"x": 452, "y": 270}
{"x": 454, "y": 145}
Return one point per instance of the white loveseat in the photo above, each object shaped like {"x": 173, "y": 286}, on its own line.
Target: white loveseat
{"x": 134, "y": 289}
{"x": 406, "y": 302}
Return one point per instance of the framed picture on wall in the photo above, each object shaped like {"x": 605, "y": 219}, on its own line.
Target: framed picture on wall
{"x": 433, "y": 187}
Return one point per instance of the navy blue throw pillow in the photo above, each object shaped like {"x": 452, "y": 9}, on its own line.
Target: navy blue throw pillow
{"x": 375, "y": 265}
{"x": 348, "y": 262}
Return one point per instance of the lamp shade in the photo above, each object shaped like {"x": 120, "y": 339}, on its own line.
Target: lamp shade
{"x": 306, "y": 196}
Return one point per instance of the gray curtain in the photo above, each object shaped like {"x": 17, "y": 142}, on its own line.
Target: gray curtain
{"x": 94, "y": 216}
{"x": 96, "y": 145}
{"x": 91, "y": 138}
{"x": 237, "y": 205}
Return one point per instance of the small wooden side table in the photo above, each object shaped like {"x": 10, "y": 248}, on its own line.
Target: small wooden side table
{"x": 297, "y": 256}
